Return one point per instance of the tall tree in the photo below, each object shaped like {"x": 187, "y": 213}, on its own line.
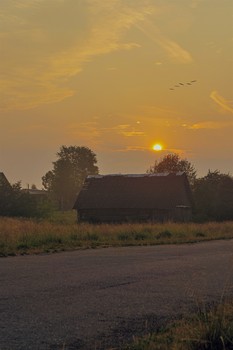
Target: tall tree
{"x": 68, "y": 174}
{"x": 173, "y": 163}
{"x": 6, "y": 196}
{"x": 213, "y": 196}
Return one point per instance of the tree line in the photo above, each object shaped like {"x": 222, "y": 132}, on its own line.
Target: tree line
{"x": 62, "y": 185}
{"x": 212, "y": 194}
{"x": 14, "y": 201}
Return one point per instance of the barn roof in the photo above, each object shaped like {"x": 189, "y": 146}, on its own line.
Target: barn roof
{"x": 161, "y": 191}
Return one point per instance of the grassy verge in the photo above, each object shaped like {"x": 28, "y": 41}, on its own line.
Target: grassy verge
{"x": 27, "y": 236}
{"x": 205, "y": 330}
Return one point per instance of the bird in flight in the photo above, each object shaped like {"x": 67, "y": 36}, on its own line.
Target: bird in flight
{"x": 191, "y": 82}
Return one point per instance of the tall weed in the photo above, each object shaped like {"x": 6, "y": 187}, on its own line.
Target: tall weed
{"x": 205, "y": 330}
{"x": 62, "y": 232}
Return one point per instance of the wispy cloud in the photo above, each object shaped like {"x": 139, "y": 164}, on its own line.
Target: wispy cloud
{"x": 37, "y": 62}
{"x": 179, "y": 151}
{"x": 195, "y": 3}
{"x": 222, "y": 102}
{"x": 146, "y": 149}
{"x": 28, "y": 3}
{"x": 85, "y": 130}
{"x": 132, "y": 149}
{"x": 129, "y": 131}
{"x": 133, "y": 133}
{"x": 210, "y": 125}
{"x": 160, "y": 112}
{"x": 97, "y": 134}
{"x": 174, "y": 50}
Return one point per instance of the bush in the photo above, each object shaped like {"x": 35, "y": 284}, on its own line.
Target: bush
{"x": 164, "y": 234}
{"x": 213, "y": 197}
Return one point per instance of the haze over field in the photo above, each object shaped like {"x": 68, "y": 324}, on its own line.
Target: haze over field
{"x": 118, "y": 76}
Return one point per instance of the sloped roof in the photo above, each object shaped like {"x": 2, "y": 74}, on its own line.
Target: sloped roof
{"x": 3, "y": 181}
{"x": 160, "y": 191}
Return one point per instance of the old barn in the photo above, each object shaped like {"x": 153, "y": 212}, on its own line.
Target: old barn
{"x": 146, "y": 197}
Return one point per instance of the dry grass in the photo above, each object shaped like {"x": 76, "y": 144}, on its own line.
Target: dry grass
{"x": 20, "y": 236}
{"x": 204, "y": 330}
{"x": 211, "y": 329}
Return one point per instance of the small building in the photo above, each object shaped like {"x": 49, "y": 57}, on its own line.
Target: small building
{"x": 4, "y": 183}
{"x": 35, "y": 192}
{"x": 126, "y": 198}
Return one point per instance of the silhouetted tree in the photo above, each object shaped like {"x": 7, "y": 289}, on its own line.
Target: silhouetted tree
{"x": 6, "y": 196}
{"x": 173, "y": 163}
{"x": 17, "y": 202}
{"x": 213, "y": 196}
{"x": 68, "y": 174}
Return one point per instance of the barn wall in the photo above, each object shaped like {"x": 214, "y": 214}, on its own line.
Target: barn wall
{"x": 113, "y": 215}
{"x": 133, "y": 215}
{"x": 183, "y": 214}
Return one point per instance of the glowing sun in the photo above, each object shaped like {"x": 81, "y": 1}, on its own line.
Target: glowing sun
{"x": 157, "y": 147}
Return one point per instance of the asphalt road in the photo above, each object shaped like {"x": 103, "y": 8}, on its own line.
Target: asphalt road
{"x": 93, "y": 299}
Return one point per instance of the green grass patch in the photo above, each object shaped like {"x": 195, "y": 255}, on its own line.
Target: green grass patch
{"x": 205, "y": 330}
{"x": 91, "y": 237}
{"x": 62, "y": 232}
{"x": 123, "y": 237}
{"x": 141, "y": 236}
{"x": 164, "y": 234}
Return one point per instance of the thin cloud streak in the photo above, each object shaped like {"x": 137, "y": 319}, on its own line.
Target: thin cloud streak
{"x": 172, "y": 48}
{"x": 147, "y": 149}
{"x": 98, "y": 134}
{"x": 132, "y": 149}
{"x": 211, "y": 125}
{"x": 133, "y": 133}
{"x": 222, "y": 102}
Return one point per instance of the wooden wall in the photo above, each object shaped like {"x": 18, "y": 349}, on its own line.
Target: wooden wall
{"x": 134, "y": 215}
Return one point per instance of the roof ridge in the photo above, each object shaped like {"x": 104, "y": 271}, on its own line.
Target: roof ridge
{"x": 99, "y": 176}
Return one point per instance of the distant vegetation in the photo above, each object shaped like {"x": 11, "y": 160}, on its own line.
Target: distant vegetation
{"x": 15, "y": 202}
{"x": 69, "y": 171}
{"x": 212, "y": 194}
{"x": 173, "y": 163}
{"x": 213, "y": 197}
{"x": 61, "y": 232}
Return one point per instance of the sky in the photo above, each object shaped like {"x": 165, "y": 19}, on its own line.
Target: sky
{"x": 117, "y": 76}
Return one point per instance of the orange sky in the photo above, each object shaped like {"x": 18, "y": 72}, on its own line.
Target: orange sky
{"x": 99, "y": 73}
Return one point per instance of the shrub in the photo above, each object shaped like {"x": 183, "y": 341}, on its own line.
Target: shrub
{"x": 200, "y": 234}
{"x": 140, "y": 236}
{"x": 164, "y": 234}
{"x": 92, "y": 237}
{"x": 123, "y": 236}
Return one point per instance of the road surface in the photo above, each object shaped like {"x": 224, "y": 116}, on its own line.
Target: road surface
{"x": 92, "y": 299}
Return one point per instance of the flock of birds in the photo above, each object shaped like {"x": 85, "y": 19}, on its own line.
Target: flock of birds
{"x": 183, "y": 84}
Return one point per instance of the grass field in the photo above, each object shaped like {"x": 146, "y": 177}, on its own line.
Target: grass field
{"x": 30, "y": 236}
